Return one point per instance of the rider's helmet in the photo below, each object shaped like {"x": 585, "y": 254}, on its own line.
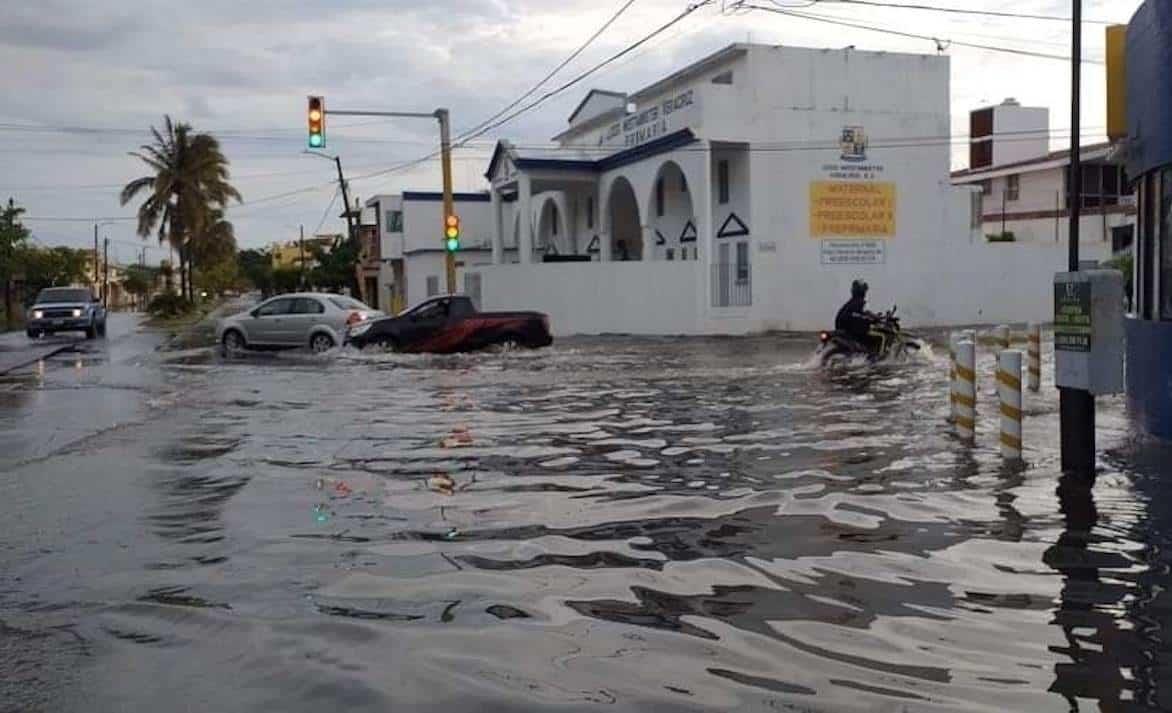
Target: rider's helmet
{"x": 858, "y": 288}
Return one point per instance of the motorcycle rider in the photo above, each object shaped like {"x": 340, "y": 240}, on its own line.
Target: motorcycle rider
{"x": 854, "y": 320}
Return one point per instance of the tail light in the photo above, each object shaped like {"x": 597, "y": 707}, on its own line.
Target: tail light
{"x": 355, "y": 318}
{"x": 824, "y": 336}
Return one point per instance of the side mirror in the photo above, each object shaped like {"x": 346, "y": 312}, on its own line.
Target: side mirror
{"x": 254, "y": 313}
{"x": 96, "y": 300}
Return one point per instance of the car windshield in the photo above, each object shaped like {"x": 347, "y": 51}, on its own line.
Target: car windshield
{"x": 343, "y": 302}
{"x": 63, "y": 294}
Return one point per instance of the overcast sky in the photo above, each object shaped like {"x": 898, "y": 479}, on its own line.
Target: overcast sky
{"x": 84, "y": 79}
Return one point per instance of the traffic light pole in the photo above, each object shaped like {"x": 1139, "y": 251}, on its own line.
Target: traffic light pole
{"x": 446, "y": 165}
{"x": 449, "y": 207}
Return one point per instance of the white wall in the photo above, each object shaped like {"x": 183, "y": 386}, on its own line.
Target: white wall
{"x": 1011, "y": 142}
{"x": 423, "y": 225}
{"x": 599, "y": 298}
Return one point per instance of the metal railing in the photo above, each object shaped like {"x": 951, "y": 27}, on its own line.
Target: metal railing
{"x": 732, "y": 284}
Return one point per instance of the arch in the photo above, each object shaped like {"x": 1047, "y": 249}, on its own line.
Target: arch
{"x": 622, "y": 221}
{"x": 552, "y": 233}
{"x": 674, "y": 227}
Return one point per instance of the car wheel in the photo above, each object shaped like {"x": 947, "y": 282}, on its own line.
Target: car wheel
{"x": 511, "y": 343}
{"x": 386, "y": 344}
{"x": 91, "y": 332}
{"x": 32, "y": 333}
{"x": 102, "y": 329}
{"x": 321, "y": 342}
{"x": 233, "y": 342}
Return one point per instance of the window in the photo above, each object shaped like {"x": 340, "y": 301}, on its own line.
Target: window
{"x": 394, "y": 221}
{"x": 671, "y": 254}
{"x": 1102, "y": 185}
{"x": 980, "y": 154}
{"x": 344, "y": 302}
{"x": 986, "y": 186}
{"x": 742, "y": 262}
{"x": 275, "y": 307}
{"x": 307, "y": 305}
{"x": 432, "y": 285}
{"x": 1012, "y": 187}
{"x": 722, "y": 181}
{"x": 659, "y": 197}
{"x": 589, "y": 211}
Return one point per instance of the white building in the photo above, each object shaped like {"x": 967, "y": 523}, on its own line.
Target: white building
{"x": 410, "y": 229}
{"x": 1024, "y": 185}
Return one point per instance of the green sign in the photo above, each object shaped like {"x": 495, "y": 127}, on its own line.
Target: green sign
{"x": 1072, "y": 316}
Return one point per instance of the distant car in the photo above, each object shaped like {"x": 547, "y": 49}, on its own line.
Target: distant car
{"x": 450, "y": 323}
{"x": 66, "y": 309}
{"x": 305, "y": 319}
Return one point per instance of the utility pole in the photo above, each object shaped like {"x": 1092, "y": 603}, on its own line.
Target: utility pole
{"x": 345, "y": 198}
{"x": 106, "y": 274}
{"x": 449, "y": 207}
{"x": 302, "y": 227}
{"x": 95, "y": 255}
{"x": 1076, "y": 407}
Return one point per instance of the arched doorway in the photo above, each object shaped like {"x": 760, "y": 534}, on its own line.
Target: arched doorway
{"x": 672, "y": 218}
{"x": 626, "y": 234}
{"x": 552, "y": 235}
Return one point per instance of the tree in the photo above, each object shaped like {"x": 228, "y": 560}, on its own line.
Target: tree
{"x": 13, "y": 236}
{"x": 138, "y": 281}
{"x": 335, "y": 267}
{"x": 286, "y": 279}
{"x": 189, "y": 180}
{"x": 53, "y": 267}
{"x": 256, "y": 266}
{"x": 215, "y": 250}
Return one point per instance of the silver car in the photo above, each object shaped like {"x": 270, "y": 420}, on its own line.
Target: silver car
{"x": 302, "y": 319}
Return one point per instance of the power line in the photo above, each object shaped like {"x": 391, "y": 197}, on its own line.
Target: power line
{"x": 573, "y": 55}
{"x": 941, "y": 43}
{"x": 326, "y": 214}
{"x": 960, "y": 11}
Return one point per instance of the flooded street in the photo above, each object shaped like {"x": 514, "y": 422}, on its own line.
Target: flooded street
{"x": 608, "y": 524}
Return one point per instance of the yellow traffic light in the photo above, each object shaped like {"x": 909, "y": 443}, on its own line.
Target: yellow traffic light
{"x": 317, "y": 122}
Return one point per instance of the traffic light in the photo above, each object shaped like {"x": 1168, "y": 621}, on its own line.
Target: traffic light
{"x": 317, "y": 122}
{"x": 452, "y": 233}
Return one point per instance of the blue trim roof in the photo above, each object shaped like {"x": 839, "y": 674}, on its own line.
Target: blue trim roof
{"x": 674, "y": 140}
{"x": 592, "y": 92}
{"x": 479, "y": 197}
{"x": 1149, "y": 88}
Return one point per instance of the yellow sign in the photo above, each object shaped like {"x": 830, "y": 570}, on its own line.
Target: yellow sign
{"x": 1117, "y": 82}
{"x": 845, "y": 209}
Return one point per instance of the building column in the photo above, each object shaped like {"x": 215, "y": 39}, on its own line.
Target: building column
{"x": 524, "y": 206}
{"x": 498, "y": 247}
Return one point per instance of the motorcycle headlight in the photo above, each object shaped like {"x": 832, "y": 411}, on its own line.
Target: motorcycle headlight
{"x": 37, "y": 314}
{"x": 76, "y": 313}
{"x": 360, "y": 329}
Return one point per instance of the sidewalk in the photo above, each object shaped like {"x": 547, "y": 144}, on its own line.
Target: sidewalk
{"x": 17, "y": 350}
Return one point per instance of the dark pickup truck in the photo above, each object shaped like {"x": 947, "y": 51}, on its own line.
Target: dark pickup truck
{"x": 447, "y": 324}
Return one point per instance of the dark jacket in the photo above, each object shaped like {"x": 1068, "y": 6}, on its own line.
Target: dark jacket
{"x": 852, "y": 318}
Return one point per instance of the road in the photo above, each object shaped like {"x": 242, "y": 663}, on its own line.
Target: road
{"x": 608, "y": 524}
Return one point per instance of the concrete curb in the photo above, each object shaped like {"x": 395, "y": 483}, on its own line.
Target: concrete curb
{"x": 11, "y": 361}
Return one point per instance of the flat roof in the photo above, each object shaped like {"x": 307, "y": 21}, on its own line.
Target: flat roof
{"x": 1053, "y": 159}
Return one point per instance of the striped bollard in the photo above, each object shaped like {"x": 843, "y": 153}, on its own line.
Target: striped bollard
{"x": 1035, "y": 357}
{"x": 1001, "y": 336}
{"x": 965, "y": 391}
{"x": 953, "y": 339}
{"x": 1009, "y": 391}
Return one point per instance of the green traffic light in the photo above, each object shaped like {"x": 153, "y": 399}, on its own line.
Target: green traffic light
{"x": 315, "y": 141}
{"x": 453, "y": 244}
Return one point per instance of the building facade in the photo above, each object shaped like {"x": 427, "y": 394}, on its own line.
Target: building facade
{"x": 1148, "y": 148}
{"x": 1025, "y": 186}
{"x": 410, "y": 229}
{"x": 744, "y": 193}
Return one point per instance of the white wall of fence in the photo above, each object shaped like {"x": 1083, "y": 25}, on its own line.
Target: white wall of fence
{"x": 600, "y": 298}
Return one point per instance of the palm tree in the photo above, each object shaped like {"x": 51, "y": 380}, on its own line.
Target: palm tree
{"x": 216, "y": 240}
{"x": 190, "y": 179}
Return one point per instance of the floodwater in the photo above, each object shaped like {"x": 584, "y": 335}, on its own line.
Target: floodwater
{"x": 608, "y": 524}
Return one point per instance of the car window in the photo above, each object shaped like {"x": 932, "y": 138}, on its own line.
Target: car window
{"x": 66, "y": 294}
{"x": 307, "y": 305}
{"x": 275, "y": 307}
{"x": 344, "y": 302}
{"x": 435, "y": 310}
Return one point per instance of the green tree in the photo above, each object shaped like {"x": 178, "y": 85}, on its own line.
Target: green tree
{"x": 138, "y": 281}
{"x": 256, "y": 266}
{"x": 189, "y": 180}
{"x": 215, "y": 250}
{"x": 336, "y": 267}
{"x": 54, "y": 267}
{"x": 13, "y": 236}
{"x": 286, "y": 279}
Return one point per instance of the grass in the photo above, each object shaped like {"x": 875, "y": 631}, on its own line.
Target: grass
{"x": 190, "y": 319}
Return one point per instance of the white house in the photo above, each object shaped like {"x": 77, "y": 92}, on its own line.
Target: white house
{"x": 744, "y": 193}
{"x": 410, "y": 229}
{"x": 1024, "y": 185}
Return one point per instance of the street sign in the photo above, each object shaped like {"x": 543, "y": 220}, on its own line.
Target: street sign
{"x": 1072, "y": 316}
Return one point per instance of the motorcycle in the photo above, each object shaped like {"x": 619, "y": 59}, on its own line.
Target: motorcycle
{"x": 893, "y": 342}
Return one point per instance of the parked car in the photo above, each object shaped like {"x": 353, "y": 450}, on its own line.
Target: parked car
{"x": 450, "y": 323}
{"x": 66, "y": 309}
{"x": 305, "y": 319}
